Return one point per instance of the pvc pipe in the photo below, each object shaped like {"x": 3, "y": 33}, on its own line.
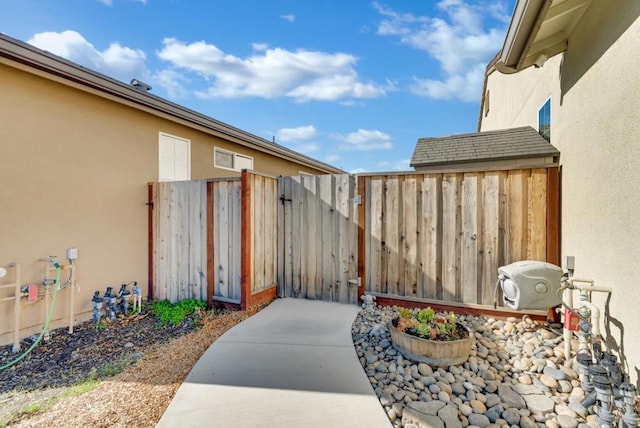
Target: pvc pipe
{"x": 45, "y": 328}
{"x": 568, "y": 298}
{"x": 595, "y": 318}
{"x": 71, "y": 290}
{"x": 16, "y": 311}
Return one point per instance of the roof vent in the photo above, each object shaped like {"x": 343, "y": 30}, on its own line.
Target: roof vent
{"x": 140, "y": 85}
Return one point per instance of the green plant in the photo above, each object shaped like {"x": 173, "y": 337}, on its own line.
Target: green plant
{"x": 425, "y": 315}
{"x": 405, "y": 313}
{"x": 429, "y": 325}
{"x": 175, "y": 313}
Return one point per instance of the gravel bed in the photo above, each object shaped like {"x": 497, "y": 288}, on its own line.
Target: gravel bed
{"x": 516, "y": 376}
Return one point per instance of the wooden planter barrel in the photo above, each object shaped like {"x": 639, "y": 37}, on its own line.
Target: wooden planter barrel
{"x": 433, "y": 352}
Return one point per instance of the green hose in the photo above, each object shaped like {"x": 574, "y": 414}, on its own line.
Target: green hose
{"x": 55, "y": 263}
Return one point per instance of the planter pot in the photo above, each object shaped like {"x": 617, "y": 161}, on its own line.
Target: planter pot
{"x": 433, "y": 352}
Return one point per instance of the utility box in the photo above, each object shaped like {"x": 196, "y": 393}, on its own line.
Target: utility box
{"x": 530, "y": 285}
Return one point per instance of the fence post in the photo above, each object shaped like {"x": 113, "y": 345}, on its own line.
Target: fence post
{"x": 151, "y": 226}
{"x": 362, "y": 221}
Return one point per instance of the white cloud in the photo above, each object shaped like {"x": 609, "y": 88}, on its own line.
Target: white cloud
{"x": 117, "y": 61}
{"x": 332, "y": 158}
{"x": 302, "y": 74}
{"x": 459, "y": 40}
{"x": 306, "y": 148}
{"x": 357, "y": 171}
{"x": 171, "y": 81}
{"x": 458, "y": 86}
{"x": 260, "y": 46}
{"x": 365, "y": 140}
{"x": 290, "y": 17}
{"x": 301, "y": 133}
{"x": 401, "y": 165}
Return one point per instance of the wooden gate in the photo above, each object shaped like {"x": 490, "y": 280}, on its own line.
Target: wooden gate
{"x": 318, "y": 238}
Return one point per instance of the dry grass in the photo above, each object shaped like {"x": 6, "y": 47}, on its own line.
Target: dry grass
{"x": 139, "y": 395}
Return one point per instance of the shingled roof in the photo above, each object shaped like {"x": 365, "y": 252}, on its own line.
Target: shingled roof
{"x": 505, "y": 144}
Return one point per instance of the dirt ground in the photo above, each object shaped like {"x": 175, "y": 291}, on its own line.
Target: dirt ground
{"x": 137, "y": 396}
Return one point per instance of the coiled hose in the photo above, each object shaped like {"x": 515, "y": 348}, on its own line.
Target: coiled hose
{"x": 55, "y": 263}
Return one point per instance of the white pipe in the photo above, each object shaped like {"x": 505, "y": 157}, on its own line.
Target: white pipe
{"x": 568, "y": 299}
{"x": 595, "y": 318}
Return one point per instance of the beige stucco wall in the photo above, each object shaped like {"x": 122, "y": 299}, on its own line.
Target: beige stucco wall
{"x": 595, "y": 123}
{"x": 74, "y": 169}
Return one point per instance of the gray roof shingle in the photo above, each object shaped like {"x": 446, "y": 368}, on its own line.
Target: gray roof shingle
{"x": 504, "y": 144}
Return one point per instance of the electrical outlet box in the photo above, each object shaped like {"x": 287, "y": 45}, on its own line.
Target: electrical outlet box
{"x": 72, "y": 253}
{"x": 570, "y": 263}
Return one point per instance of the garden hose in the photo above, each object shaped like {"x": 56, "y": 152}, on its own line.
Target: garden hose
{"x": 55, "y": 263}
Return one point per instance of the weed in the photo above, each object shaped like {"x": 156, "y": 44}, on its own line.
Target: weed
{"x": 175, "y": 313}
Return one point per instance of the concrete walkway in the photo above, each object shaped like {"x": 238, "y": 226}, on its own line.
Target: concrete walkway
{"x": 291, "y": 365}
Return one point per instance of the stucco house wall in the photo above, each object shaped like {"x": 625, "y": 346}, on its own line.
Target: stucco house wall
{"x": 595, "y": 114}
{"x": 74, "y": 168}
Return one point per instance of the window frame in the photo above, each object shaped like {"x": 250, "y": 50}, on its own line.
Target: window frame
{"x": 173, "y": 138}
{"x": 541, "y": 112}
{"x": 234, "y": 156}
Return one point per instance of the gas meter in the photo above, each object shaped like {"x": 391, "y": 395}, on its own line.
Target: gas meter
{"x": 530, "y": 285}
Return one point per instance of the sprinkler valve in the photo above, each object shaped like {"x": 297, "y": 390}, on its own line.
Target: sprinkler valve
{"x": 124, "y": 295}
{"x": 96, "y": 302}
{"x": 604, "y": 396}
{"x": 111, "y": 305}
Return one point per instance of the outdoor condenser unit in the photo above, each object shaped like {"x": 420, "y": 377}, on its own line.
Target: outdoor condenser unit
{"x": 530, "y": 285}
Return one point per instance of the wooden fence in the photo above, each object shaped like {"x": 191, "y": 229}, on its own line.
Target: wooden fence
{"x": 412, "y": 236}
{"x": 318, "y": 238}
{"x": 442, "y": 237}
{"x": 214, "y": 240}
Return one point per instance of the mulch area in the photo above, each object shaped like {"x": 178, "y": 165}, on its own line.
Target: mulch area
{"x": 66, "y": 359}
{"x": 156, "y": 361}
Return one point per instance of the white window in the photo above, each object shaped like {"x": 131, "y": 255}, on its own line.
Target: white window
{"x": 174, "y": 158}
{"x": 226, "y": 159}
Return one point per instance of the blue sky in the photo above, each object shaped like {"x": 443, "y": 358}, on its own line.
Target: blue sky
{"x": 351, "y": 83}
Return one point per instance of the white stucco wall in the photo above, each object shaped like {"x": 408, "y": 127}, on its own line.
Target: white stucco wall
{"x": 595, "y": 123}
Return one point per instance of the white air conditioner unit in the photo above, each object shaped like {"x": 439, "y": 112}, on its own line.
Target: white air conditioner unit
{"x": 530, "y": 285}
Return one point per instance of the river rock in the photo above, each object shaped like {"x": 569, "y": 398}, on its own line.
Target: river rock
{"x": 449, "y": 415}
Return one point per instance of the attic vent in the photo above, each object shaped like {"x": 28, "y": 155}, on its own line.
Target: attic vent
{"x": 140, "y": 85}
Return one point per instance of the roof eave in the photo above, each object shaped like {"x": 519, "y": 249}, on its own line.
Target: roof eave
{"x": 525, "y": 24}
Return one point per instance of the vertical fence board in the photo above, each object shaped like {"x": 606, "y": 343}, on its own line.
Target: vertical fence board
{"x": 517, "y": 218}
{"x": 430, "y": 244}
{"x": 327, "y": 239}
{"x": 537, "y": 215}
{"x": 450, "y": 238}
{"x": 491, "y": 193}
{"x": 410, "y": 234}
{"x": 296, "y": 245}
{"x": 235, "y": 232}
{"x": 221, "y": 252}
{"x": 469, "y": 261}
{"x": 391, "y": 236}
{"x": 342, "y": 252}
{"x": 309, "y": 234}
{"x": 269, "y": 218}
{"x": 353, "y": 239}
